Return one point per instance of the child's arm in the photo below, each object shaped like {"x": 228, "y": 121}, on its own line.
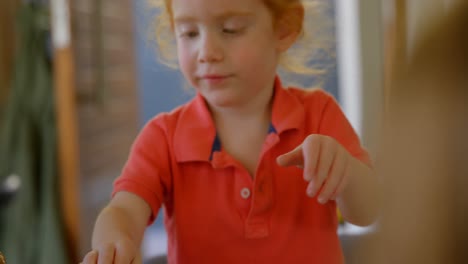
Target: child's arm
{"x": 333, "y": 173}
{"x": 119, "y": 230}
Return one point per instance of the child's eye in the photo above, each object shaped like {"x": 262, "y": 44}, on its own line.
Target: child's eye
{"x": 230, "y": 30}
{"x": 190, "y": 34}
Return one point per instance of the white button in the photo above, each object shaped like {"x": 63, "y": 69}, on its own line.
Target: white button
{"x": 245, "y": 193}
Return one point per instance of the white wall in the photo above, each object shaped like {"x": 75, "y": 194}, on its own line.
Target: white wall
{"x": 349, "y": 60}
{"x": 360, "y": 60}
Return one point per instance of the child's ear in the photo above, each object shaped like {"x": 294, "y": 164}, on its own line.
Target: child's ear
{"x": 289, "y": 28}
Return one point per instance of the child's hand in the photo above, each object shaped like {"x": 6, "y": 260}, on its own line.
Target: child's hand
{"x": 114, "y": 253}
{"x": 118, "y": 231}
{"x": 325, "y": 163}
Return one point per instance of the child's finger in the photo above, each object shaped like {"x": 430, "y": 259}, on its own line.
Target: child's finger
{"x": 137, "y": 259}
{"x": 311, "y": 150}
{"x": 91, "y": 258}
{"x": 106, "y": 254}
{"x": 123, "y": 257}
{"x": 124, "y": 254}
{"x": 325, "y": 160}
{"x": 334, "y": 178}
{"x": 343, "y": 182}
{"x": 292, "y": 158}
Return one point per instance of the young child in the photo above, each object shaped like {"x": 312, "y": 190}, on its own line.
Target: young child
{"x": 248, "y": 171}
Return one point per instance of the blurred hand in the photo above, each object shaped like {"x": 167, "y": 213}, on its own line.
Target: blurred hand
{"x": 122, "y": 252}
{"x": 325, "y": 163}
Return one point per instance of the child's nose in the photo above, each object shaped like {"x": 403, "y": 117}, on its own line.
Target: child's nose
{"x": 210, "y": 49}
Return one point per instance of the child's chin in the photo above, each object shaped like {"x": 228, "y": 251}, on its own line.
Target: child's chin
{"x": 222, "y": 101}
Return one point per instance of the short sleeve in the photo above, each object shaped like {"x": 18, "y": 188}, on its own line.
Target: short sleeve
{"x": 334, "y": 123}
{"x": 147, "y": 172}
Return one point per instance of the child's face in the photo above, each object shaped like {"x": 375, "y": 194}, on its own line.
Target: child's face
{"x": 228, "y": 50}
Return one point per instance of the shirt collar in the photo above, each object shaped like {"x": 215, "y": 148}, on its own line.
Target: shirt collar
{"x": 195, "y": 137}
{"x": 287, "y": 111}
{"x": 195, "y": 132}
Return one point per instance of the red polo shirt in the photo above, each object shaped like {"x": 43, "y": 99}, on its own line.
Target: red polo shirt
{"x": 214, "y": 211}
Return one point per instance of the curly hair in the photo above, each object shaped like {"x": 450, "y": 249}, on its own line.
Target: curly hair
{"x": 308, "y": 55}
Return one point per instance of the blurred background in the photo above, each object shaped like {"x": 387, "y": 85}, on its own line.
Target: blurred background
{"x": 79, "y": 79}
